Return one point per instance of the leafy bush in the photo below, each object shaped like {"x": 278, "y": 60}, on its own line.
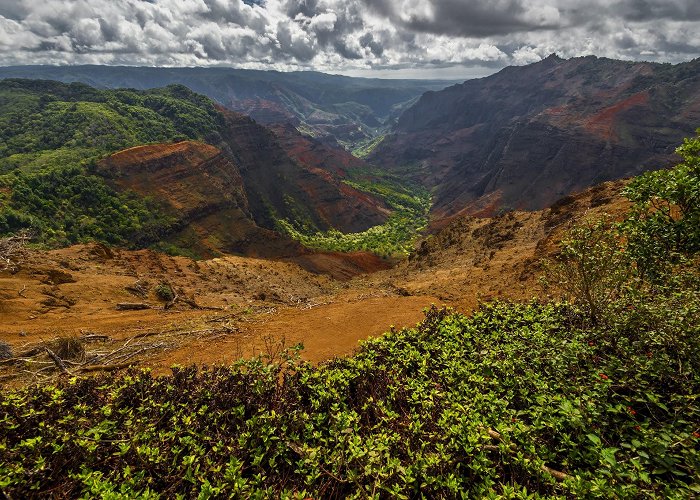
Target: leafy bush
{"x": 164, "y": 292}
{"x": 649, "y": 258}
{"x": 665, "y": 224}
{"x": 517, "y": 400}
{"x": 592, "y": 268}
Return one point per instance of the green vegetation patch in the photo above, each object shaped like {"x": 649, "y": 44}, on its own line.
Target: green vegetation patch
{"x": 39, "y": 118}
{"x": 396, "y": 237}
{"x": 365, "y": 148}
{"x": 68, "y": 205}
{"x": 51, "y": 135}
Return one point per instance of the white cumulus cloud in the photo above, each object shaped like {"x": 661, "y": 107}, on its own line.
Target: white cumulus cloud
{"x": 423, "y": 36}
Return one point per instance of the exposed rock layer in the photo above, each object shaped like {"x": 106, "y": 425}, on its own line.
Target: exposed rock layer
{"x": 526, "y": 136}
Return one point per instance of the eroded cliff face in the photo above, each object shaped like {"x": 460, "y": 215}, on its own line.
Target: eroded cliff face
{"x": 526, "y": 136}
{"x": 203, "y": 190}
{"x": 299, "y": 187}
{"x": 227, "y": 198}
{"x": 193, "y": 177}
{"x": 337, "y": 202}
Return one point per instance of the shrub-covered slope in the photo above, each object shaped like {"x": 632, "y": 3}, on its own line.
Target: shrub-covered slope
{"x": 199, "y": 187}
{"x": 514, "y": 399}
{"x": 280, "y": 187}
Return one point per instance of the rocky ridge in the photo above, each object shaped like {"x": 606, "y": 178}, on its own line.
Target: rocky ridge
{"x": 526, "y": 136}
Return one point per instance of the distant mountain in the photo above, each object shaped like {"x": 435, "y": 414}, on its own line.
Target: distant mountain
{"x": 526, "y": 136}
{"x": 162, "y": 166}
{"x": 350, "y": 110}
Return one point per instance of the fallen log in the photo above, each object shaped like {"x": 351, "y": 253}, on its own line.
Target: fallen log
{"x": 194, "y": 305}
{"x": 8, "y": 376}
{"x": 58, "y": 361}
{"x": 557, "y": 474}
{"x": 180, "y": 297}
{"x": 95, "y": 337}
{"x": 146, "y": 334}
{"x": 132, "y": 306}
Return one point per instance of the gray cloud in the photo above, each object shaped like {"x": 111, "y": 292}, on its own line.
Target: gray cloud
{"x": 470, "y": 18}
{"x": 650, "y": 10}
{"x": 424, "y": 37}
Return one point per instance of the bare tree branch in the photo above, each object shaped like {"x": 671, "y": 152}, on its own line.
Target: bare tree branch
{"x": 13, "y": 250}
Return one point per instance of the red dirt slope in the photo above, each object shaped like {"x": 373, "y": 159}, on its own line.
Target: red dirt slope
{"x": 200, "y": 186}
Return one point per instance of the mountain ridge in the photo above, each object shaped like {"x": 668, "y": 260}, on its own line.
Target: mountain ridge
{"x": 527, "y": 135}
{"x": 349, "y": 109}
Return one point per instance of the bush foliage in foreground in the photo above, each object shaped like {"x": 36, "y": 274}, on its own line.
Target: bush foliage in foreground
{"x": 412, "y": 413}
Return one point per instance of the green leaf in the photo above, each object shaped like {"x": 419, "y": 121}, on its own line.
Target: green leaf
{"x": 595, "y": 439}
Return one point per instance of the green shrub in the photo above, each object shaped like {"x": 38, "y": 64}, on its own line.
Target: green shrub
{"x": 164, "y": 292}
{"x": 592, "y": 268}
{"x": 644, "y": 262}
{"x": 664, "y": 225}
{"x": 500, "y": 403}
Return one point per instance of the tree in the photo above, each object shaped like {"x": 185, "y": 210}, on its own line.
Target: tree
{"x": 664, "y": 224}
{"x": 653, "y": 253}
{"x": 592, "y": 268}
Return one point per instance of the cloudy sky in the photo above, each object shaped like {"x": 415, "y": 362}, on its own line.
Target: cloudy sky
{"x": 402, "y": 38}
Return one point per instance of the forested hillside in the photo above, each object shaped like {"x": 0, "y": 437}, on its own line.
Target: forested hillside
{"x": 55, "y": 180}
{"x": 52, "y": 136}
